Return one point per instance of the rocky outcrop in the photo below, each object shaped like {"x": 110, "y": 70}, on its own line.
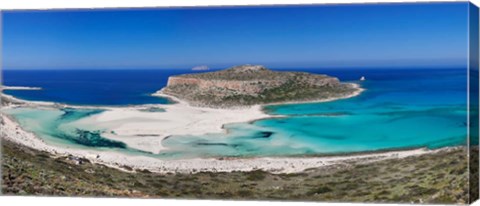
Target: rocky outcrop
{"x": 248, "y": 85}
{"x": 251, "y": 87}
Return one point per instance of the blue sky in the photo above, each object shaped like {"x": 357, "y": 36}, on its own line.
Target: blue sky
{"x": 337, "y": 36}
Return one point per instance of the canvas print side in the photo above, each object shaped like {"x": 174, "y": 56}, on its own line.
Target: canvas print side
{"x": 474, "y": 99}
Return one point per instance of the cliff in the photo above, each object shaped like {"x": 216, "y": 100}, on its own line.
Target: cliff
{"x": 249, "y": 85}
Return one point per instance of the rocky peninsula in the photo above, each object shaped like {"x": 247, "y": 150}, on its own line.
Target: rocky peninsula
{"x": 205, "y": 102}
{"x": 249, "y": 85}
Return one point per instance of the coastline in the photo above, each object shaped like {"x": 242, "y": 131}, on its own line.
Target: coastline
{"x": 12, "y": 131}
{"x": 84, "y": 178}
{"x": 18, "y": 88}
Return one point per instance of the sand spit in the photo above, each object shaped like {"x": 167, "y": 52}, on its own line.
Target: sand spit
{"x": 145, "y": 130}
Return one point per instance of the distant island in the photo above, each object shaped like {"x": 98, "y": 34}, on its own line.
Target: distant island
{"x": 201, "y": 68}
{"x": 248, "y": 85}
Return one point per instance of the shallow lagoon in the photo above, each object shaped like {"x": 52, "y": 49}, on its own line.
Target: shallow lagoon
{"x": 399, "y": 109}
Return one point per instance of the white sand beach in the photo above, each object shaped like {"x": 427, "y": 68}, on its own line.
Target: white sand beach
{"x": 11, "y": 131}
{"x": 145, "y": 130}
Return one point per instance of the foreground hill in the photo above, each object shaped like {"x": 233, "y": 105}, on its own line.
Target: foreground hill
{"x": 438, "y": 177}
{"x": 248, "y": 85}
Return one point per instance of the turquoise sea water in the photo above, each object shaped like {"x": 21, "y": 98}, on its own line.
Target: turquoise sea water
{"x": 53, "y": 125}
{"x": 399, "y": 109}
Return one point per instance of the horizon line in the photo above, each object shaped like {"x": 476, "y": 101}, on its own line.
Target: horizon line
{"x": 220, "y": 68}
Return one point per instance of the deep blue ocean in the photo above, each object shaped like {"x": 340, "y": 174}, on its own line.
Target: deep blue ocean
{"x": 91, "y": 87}
{"x": 400, "y": 108}
{"x": 134, "y": 87}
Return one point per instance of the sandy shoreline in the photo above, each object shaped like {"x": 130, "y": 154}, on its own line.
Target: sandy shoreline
{"x": 13, "y": 132}
{"x": 149, "y": 128}
{"x": 146, "y": 130}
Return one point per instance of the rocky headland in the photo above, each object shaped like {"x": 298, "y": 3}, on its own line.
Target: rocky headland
{"x": 248, "y": 85}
